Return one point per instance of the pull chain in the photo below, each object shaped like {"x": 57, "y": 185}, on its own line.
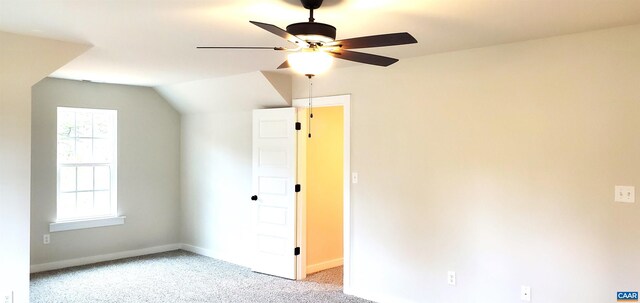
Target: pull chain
{"x": 310, "y": 104}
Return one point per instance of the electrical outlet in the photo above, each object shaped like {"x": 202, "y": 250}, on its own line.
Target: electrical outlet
{"x": 451, "y": 278}
{"x": 625, "y": 194}
{"x": 46, "y": 239}
{"x": 7, "y": 297}
{"x": 525, "y": 293}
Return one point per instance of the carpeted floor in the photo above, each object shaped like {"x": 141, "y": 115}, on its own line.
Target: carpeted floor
{"x": 180, "y": 276}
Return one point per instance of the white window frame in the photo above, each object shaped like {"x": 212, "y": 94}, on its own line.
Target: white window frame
{"x": 112, "y": 217}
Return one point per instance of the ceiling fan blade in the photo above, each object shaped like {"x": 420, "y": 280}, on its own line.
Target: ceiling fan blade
{"x": 280, "y": 32}
{"x": 241, "y": 47}
{"x": 376, "y": 41}
{"x": 363, "y": 58}
{"x": 284, "y": 64}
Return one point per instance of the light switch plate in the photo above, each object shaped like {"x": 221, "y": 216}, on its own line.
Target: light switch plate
{"x": 625, "y": 194}
{"x": 354, "y": 178}
{"x": 525, "y": 293}
{"x": 451, "y": 278}
{"x": 7, "y": 296}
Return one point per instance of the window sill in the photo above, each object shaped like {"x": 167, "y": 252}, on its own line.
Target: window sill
{"x": 86, "y": 223}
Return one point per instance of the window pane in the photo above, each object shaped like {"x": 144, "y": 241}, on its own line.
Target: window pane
{"x": 67, "y": 179}
{"x": 102, "y": 151}
{"x": 84, "y": 150}
{"x": 85, "y": 178}
{"x": 102, "y": 178}
{"x": 66, "y": 124}
{"x": 66, "y": 151}
{"x": 85, "y": 204}
{"x": 66, "y": 205}
{"x": 101, "y": 124}
{"x": 84, "y": 124}
{"x": 102, "y": 203}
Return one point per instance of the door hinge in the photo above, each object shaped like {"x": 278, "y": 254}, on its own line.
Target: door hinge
{"x": 298, "y": 126}
{"x": 296, "y": 251}
{"x": 298, "y": 187}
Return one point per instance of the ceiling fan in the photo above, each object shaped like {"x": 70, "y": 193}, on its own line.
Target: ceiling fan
{"x": 316, "y": 43}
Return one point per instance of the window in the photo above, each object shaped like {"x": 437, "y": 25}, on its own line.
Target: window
{"x": 87, "y": 166}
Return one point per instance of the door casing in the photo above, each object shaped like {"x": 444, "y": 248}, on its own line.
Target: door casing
{"x": 345, "y": 102}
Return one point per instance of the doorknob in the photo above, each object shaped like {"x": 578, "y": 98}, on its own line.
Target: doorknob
{"x": 254, "y": 198}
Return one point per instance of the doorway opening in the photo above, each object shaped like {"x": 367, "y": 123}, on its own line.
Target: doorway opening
{"x": 323, "y": 169}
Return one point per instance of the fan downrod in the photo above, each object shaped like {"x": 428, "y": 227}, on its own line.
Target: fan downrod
{"x": 311, "y": 5}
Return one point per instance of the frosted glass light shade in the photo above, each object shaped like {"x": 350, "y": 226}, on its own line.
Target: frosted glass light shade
{"x": 312, "y": 62}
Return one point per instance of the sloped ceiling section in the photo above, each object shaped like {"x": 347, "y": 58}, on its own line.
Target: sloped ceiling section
{"x": 235, "y": 93}
{"x": 282, "y": 83}
{"x": 40, "y": 56}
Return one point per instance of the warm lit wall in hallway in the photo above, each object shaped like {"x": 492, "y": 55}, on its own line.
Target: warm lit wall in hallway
{"x": 324, "y": 172}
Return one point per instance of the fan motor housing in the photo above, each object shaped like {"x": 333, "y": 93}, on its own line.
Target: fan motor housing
{"x": 311, "y": 4}
{"x": 313, "y": 31}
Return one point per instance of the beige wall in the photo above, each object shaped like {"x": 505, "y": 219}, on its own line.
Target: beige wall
{"x": 498, "y": 163}
{"x": 324, "y": 182}
{"x": 148, "y": 170}
{"x": 23, "y": 62}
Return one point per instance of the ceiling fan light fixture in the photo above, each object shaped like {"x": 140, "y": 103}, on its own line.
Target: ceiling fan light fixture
{"x": 310, "y": 61}
{"x": 315, "y": 38}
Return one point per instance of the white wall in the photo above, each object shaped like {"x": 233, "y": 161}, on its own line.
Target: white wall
{"x": 148, "y": 170}
{"x": 216, "y": 159}
{"x": 23, "y": 62}
{"x": 498, "y": 163}
{"x": 216, "y": 184}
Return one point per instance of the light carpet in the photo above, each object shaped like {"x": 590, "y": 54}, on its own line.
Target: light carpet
{"x": 180, "y": 276}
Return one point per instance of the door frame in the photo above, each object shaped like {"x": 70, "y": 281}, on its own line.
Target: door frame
{"x": 326, "y": 101}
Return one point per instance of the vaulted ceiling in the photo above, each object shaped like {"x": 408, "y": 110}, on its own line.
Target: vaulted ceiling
{"x": 152, "y": 42}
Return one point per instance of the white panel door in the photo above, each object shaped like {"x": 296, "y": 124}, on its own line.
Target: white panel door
{"x": 274, "y": 200}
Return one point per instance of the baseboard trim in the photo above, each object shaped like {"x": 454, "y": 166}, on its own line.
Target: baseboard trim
{"x": 375, "y": 296}
{"x": 324, "y": 265}
{"x": 213, "y": 254}
{"x": 198, "y": 250}
{"x": 103, "y": 258}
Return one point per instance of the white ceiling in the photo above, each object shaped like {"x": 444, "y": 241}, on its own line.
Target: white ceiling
{"x": 152, "y": 42}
